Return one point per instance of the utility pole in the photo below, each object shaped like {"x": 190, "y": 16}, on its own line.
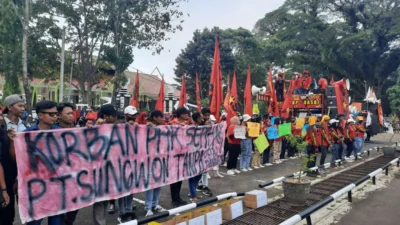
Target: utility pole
{"x": 61, "y": 96}
{"x": 70, "y": 78}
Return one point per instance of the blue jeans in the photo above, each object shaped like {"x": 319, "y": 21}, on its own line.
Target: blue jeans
{"x": 52, "y": 220}
{"x": 152, "y": 198}
{"x": 335, "y": 153}
{"x": 301, "y": 91}
{"x": 358, "y": 144}
{"x": 125, "y": 204}
{"x": 245, "y": 157}
{"x": 193, "y": 184}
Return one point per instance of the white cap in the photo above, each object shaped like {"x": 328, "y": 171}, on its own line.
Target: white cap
{"x": 212, "y": 118}
{"x": 130, "y": 110}
{"x": 351, "y": 120}
{"x": 224, "y": 114}
{"x": 332, "y": 121}
{"x": 246, "y": 117}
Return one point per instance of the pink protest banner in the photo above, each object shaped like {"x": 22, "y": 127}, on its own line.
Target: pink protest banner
{"x": 68, "y": 169}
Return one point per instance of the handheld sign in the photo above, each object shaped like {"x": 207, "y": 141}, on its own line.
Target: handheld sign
{"x": 272, "y": 133}
{"x": 261, "y": 143}
{"x": 254, "y": 129}
{"x": 285, "y": 129}
{"x": 240, "y": 132}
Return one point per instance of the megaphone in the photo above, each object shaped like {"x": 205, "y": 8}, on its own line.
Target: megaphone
{"x": 258, "y": 91}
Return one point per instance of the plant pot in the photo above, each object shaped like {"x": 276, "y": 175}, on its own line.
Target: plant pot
{"x": 296, "y": 193}
{"x": 389, "y": 151}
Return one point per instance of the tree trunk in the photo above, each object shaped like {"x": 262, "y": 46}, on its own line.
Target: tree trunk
{"x": 115, "y": 89}
{"x": 25, "y": 78}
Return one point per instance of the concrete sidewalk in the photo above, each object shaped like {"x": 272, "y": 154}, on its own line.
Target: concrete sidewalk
{"x": 381, "y": 207}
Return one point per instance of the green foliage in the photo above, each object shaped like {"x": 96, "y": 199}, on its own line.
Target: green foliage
{"x": 394, "y": 99}
{"x": 356, "y": 39}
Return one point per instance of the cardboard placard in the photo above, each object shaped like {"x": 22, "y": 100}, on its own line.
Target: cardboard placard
{"x": 255, "y": 199}
{"x": 240, "y": 132}
{"x": 212, "y": 214}
{"x": 300, "y": 123}
{"x": 285, "y": 129}
{"x": 261, "y": 143}
{"x": 231, "y": 209}
{"x": 254, "y": 129}
{"x": 272, "y": 133}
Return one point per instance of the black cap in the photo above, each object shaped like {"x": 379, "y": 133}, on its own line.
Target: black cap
{"x": 156, "y": 113}
{"x": 108, "y": 110}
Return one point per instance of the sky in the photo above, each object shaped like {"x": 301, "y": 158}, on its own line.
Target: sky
{"x": 203, "y": 13}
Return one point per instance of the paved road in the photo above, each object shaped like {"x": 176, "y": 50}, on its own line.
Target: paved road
{"x": 381, "y": 207}
{"x": 239, "y": 183}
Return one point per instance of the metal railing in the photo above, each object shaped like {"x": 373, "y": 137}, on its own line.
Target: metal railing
{"x": 306, "y": 214}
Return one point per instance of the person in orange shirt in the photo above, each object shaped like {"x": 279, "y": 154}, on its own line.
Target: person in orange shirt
{"x": 182, "y": 119}
{"x": 322, "y": 83}
{"x": 326, "y": 138}
{"x": 350, "y": 134}
{"x": 313, "y": 138}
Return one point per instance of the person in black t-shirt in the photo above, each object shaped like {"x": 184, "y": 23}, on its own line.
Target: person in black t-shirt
{"x": 279, "y": 87}
{"x": 8, "y": 174}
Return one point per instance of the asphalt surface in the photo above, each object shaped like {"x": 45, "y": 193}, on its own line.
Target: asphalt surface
{"x": 242, "y": 182}
{"x": 381, "y": 206}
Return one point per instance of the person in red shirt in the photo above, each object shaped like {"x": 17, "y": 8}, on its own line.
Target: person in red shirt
{"x": 326, "y": 138}
{"x": 313, "y": 138}
{"x": 77, "y": 114}
{"x": 337, "y": 139}
{"x": 359, "y": 139}
{"x": 350, "y": 134}
{"x": 341, "y": 127}
{"x": 307, "y": 81}
{"x": 234, "y": 147}
{"x": 299, "y": 84}
{"x": 181, "y": 119}
{"x": 322, "y": 83}
{"x": 292, "y": 82}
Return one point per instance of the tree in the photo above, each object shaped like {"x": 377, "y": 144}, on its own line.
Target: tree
{"x": 356, "y": 39}
{"x": 394, "y": 99}
{"x": 238, "y": 48}
{"x": 144, "y": 26}
{"x": 111, "y": 29}
{"x": 25, "y": 22}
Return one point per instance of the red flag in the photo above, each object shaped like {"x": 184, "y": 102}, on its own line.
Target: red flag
{"x": 198, "y": 101}
{"x": 273, "y": 103}
{"x": 182, "y": 97}
{"x": 287, "y": 104}
{"x": 160, "y": 100}
{"x": 227, "y": 96}
{"x": 231, "y": 103}
{"x": 216, "y": 83}
{"x": 248, "y": 99}
{"x": 135, "y": 93}
{"x": 332, "y": 80}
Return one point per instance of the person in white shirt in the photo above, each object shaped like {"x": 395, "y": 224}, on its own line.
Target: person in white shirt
{"x": 15, "y": 107}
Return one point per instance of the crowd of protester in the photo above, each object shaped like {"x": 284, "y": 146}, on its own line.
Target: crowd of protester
{"x": 321, "y": 134}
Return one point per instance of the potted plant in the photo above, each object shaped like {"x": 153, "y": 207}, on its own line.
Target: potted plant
{"x": 296, "y": 190}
